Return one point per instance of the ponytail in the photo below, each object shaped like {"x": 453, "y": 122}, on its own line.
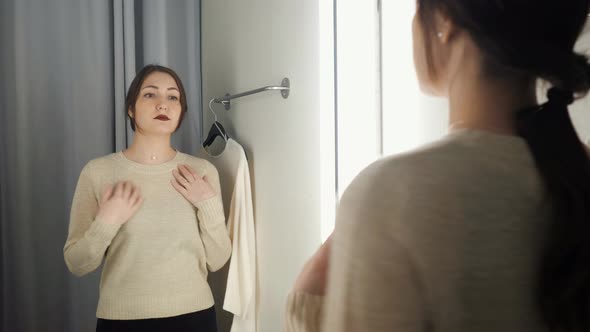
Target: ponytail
{"x": 563, "y": 162}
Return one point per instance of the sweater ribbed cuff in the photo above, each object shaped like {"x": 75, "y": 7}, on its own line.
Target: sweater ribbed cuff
{"x": 102, "y": 231}
{"x": 304, "y": 312}
{"x": 212, "y": 207}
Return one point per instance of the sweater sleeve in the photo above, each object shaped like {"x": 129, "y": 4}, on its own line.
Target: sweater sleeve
{"x": 88, "y": 237}
{"x": 214, "y": 233}
{"x": 303, "y": 313}
{"x": 374, "y": 283}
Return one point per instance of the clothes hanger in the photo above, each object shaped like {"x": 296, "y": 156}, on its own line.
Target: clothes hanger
{"x": 216, "y": 129}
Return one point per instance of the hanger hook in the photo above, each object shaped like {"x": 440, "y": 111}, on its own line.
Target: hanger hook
{"x": 211, "y": 109}
{"x": 224, "y": 134}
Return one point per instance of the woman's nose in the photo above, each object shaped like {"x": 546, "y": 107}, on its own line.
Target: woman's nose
{"x": 162, "y": 107}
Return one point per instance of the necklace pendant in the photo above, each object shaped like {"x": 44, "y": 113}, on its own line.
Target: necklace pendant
{"x": 154, "y": 157}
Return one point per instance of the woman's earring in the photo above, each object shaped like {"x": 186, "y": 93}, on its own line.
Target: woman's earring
{"x": 440, "y": 35}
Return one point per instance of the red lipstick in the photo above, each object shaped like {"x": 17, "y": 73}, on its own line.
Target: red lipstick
{"x": 162, "y": 117}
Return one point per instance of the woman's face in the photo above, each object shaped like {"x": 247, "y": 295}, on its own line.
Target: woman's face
{"x": 157, "y": 108}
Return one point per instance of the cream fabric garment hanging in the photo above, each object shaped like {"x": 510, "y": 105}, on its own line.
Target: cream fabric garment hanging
{"x": 240, "y": 294}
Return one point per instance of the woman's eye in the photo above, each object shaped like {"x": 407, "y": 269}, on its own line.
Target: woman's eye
{"x": 173, "y": 98}
{"x": 148, "y": 95}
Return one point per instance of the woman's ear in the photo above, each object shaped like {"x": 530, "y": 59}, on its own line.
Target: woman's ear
{"x": 445, "y": 28}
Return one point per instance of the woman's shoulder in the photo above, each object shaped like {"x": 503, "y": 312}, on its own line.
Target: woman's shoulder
{"x": 422, "y": 159}
{"x": 103, "y": 168}
{"x": 446, "y": 166}
{"x": 98, "y": 168}
{"x": 421, "y": 169}
{"x": 102, "y": 162}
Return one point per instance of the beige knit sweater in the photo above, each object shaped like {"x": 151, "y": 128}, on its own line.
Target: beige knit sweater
{"x": 446, "y": 238}
{"x": 156, "y": 264}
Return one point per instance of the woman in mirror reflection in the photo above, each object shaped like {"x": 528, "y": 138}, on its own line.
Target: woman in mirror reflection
{"x": 154, "y": 216}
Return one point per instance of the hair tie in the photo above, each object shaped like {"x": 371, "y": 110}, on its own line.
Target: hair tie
{"x": 560, "y": 96}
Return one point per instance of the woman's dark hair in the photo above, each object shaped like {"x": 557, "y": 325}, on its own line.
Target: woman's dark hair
{"x": 135, "y": 87}
{"x": 535, "y": 39}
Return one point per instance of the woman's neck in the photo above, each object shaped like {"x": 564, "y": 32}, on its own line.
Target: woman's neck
{"x": 486, "y": 102}
{"x": 151, "y": 150}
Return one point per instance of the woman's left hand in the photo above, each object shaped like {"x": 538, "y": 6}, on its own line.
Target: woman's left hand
{"x": 191, "y": 185}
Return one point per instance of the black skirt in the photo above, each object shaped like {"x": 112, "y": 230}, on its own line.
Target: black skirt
{"x": 200, "y": 321}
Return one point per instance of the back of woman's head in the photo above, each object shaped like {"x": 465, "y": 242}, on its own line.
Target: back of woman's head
{"x": 536, "y": 38}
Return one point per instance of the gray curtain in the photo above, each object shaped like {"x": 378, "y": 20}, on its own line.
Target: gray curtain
{"x": 64, "y": 69}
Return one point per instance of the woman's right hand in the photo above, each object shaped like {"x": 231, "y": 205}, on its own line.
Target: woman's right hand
{"x": 119, "y": 202}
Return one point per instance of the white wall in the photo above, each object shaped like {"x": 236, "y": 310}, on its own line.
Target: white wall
{"x": 289, "y": 142}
